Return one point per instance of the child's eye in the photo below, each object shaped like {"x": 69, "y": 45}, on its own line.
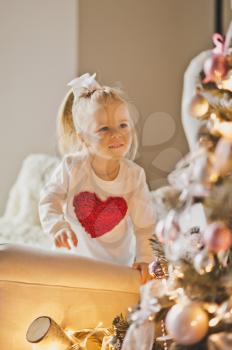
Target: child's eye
{"x": 123, "y": 125}
{"x": 105, "y": 128}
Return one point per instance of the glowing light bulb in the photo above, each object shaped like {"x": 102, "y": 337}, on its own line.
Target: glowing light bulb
{"x": 226, "y": 84}
{"x": 214, "y": 321}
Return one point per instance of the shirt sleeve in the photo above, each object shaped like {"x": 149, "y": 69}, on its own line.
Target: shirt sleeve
{"x": 52, "y": 199}
{"x": 143, "y": 217}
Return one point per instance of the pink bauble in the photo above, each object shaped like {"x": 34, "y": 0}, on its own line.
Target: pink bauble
{"x": 187, "y": 323}
{"x": 215, "y": 68}
{"x": 217, "y": 237}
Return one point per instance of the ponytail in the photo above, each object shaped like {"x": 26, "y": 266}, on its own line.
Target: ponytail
{"x": 65, "y": 129}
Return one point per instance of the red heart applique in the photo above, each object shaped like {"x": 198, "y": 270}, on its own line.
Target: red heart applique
{"x": 98, "y": 216}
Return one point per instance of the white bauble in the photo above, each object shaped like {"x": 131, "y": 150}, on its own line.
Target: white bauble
{"x": 187, "y": 323}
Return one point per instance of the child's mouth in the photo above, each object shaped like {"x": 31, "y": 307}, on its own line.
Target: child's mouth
{"x": 116, "y": 145}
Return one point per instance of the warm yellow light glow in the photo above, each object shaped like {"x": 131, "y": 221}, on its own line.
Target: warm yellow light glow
{"x": 178, "y": 273}
{"x": 49, "y": 345}
{"x": 226, "y": 84}
{"x": 213, "y": 178}
{"x": 213, "y": 116}
{"x": 222, "y": 127}
{"x": 180, "y": 291}
{"x": 211, "y": 308}
{"x": 214, "y": 321}
{"x": 54, "y": 346}
{"x": 225, "y": 129}
{"x": 215, "y": 122}
{"x": 208, "y": 268}
{"x": 69, "y": 331}
{"x": 70, "y": 334}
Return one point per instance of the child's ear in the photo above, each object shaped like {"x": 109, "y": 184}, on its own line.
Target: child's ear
{"x": 80, "y": 139}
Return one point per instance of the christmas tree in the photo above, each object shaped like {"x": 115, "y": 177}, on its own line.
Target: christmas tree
{"x": 189, "y": 304}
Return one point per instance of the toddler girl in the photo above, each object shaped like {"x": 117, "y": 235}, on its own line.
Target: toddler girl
{"x": 97, "y": 199}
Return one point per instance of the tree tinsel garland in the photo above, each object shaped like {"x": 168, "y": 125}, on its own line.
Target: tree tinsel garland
{"x": 120, "y": 327}
{"x": 219, "y": 202}
{"x": 197, "y": 286}
{"x": 220, "y": 100}
{"x": 207, "y": 140}
{"x": 158, "y": 249}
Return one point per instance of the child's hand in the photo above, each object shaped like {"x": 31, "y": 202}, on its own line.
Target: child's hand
{"x": 62, "y": 237}
{"x": 144, "y": 273}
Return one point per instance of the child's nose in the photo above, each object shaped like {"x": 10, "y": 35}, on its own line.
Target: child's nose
{"x": 114, "y": 132}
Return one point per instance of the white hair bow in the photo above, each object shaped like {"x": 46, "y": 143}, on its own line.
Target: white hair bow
{"x": 84, "y": 81}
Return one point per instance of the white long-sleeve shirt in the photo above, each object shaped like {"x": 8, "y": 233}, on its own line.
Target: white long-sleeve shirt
{"x": 113, "y": 220}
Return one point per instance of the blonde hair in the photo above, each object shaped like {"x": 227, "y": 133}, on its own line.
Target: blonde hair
{"x": 73, "y": 112}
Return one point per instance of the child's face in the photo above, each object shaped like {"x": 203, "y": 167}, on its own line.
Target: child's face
{"x": 109, "y": 133}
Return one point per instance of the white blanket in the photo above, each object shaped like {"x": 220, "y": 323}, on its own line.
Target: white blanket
{"x": 20, "y": 222}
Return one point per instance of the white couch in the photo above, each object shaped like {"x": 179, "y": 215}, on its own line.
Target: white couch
{"x": 75, "y": 292}
{"x": 38, "y": 281}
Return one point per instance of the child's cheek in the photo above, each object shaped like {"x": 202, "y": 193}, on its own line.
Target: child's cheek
{"x": 96, "y": 139}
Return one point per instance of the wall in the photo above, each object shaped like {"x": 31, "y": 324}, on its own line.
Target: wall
{"x": 227, "y": 14}
{"x": 38, "y": 57}
{"x": 146, "y": 45}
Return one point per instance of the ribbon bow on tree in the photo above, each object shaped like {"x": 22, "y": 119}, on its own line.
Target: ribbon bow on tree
{"x": 217, "y": 66}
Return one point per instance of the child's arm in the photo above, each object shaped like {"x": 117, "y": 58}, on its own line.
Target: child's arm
{"x": 144, "y": 221}
{"x": 52, "y": 199}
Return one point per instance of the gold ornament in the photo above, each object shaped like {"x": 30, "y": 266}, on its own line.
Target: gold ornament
{"x": 198, "y": 106}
